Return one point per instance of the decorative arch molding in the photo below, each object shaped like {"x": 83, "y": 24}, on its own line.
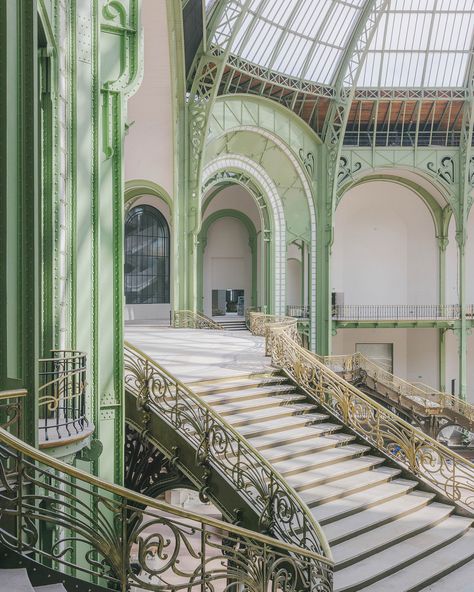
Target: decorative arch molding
{"x": 251, "y": 175}
{"x": 137, "y": 188}
{"x": 304, "y": 165}
{"x": 440, "y": 216}
{"x": 234, "y": 111}
{"x": 202, "y": 238}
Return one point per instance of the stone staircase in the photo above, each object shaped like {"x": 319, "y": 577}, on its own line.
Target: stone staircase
{"x": 17, "y": 580}
{"x": 386, "y": 532}
{"x": 232, "y": 323}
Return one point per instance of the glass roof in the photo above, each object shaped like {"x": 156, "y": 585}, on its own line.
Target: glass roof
{"x": 418, "y": 43}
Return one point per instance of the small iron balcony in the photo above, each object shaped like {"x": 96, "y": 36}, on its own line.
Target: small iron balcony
{"x": 62, "y": 396}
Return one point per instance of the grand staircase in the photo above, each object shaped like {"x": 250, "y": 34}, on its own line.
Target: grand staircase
{"x": 387, "y": 532}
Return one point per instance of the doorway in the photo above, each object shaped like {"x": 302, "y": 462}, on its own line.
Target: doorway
{"x": 228, "y": 302}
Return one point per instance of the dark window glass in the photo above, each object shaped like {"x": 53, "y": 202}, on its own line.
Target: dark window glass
{"x": 147, "y": 257}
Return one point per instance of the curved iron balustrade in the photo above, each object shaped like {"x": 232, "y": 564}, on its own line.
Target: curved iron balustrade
{"x": 418, "y": 397}
{"x": 123, "y": 540}
{"x": 430, "y": 461}
{"x": 62, "y": 395}
{"x": 217, "y": 444}
{"x": 188, "y": 319}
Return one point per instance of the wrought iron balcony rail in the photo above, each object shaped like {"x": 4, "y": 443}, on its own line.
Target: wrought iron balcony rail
{"x": 400, "y": 312}
{"x": 62, "y": 395}
{"x": 11, "y": 411}
{"x": 299, "y": 312}
{"x": 129, "y": 541}
{"x": 422, "y": 397}
{"x": 188, "y": 319}
{"x": 219, "y": 446}
{"x": 427, "y": 459}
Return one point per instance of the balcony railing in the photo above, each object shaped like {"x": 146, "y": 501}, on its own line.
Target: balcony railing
{"x": 400, "y": 312}
{"x": 298, "y": 312}
{"x": 62, "y": 395}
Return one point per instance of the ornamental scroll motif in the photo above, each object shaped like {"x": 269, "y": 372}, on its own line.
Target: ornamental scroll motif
{"x": 445, "y": 171}
{"x": 346, "y": 171}
{"x": 307, "y": 160}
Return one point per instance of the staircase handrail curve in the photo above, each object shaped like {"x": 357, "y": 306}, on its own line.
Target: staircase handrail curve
{"x": 422, "y": 392}
{"x": 120, "y": 530}
{"x": 190, "y": 319}
{"x": 439, "y": 466}
{"x": 281, "y": 509}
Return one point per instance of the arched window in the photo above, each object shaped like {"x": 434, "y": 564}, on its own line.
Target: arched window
{"x": 147, "y": 259}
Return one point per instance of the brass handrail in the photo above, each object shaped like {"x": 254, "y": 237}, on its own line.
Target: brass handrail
{"x": 435, "y": 464}
{"x": 281, "y": 509}
{"x": 422, "y": 394}
{"x": 189, "y": 319}
{"x": 128, "y": 539}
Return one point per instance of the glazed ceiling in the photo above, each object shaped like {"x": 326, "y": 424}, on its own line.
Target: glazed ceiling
{"x": 418, "y": 43}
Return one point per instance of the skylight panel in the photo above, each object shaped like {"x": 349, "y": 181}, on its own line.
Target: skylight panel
{"x": 278, "y": 11}
{"x": 310, "y": 17}
{"x": 339, "y": 25}
{"x": 293, "y": 50}
{"x": 261, "y": 42}
{"x": 323, "y": 65}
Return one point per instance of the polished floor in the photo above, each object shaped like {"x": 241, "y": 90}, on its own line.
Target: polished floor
{"x": 197, "y": 354}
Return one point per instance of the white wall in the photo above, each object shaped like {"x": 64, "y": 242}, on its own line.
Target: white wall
{"x": 294, "y": 275}
{"x": 235, "y": 197}
{"x": 470, "y": 260}
{"x": 385, "y": 250}
{"x": 149, "y": 145}
{"x": 415, "y": 351}
{"x": 156, "y": 313}
{"x": 227, "y": 260}
{"x": 452, "y": 265}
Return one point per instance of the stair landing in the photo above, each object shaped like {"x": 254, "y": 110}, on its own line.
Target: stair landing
{"x": 196, "y": 354}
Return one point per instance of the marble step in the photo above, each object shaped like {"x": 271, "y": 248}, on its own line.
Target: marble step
{"x": 460, "y": 580}
{"x": 289, "y": 429}
{"x": 383, "y": 537}
{"x": 314, "y": 459}
{"x": 222, "y": 385}
{"x": 335, "y": 510}
{"x": 247, "y": 396}
{"x": 17, "y": 580}
{"x": 292, "y": 450}
{"x": 445, "y": 570}
{"x": 375, "y": 516}
{"x": 380, "y": 565}
{"x": 332, "y": 473}
{"x": 344, "y": 487}
{"x": 237, "y": 406}
{"x": 249, "y": 416}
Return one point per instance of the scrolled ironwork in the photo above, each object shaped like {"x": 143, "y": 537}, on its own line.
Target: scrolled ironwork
{"x": 218, "y": 445}
{"x": 427, "y": 459}
{"x": 188, "y": 319}
{"x": 128, "y": 541}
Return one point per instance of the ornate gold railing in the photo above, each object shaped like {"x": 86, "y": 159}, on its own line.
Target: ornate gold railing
{"x": 123, "y": 540}
{"x": 219, "y": 446}
{"x": 269, "y": 325}
{"x": 62, "y": 395}
{"x": 427, "y": 399}
{"x": 188, "y": 319}
{"x": 427, "y": 459}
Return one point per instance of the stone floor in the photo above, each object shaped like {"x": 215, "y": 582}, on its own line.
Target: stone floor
{"x": 197, "y": 354}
